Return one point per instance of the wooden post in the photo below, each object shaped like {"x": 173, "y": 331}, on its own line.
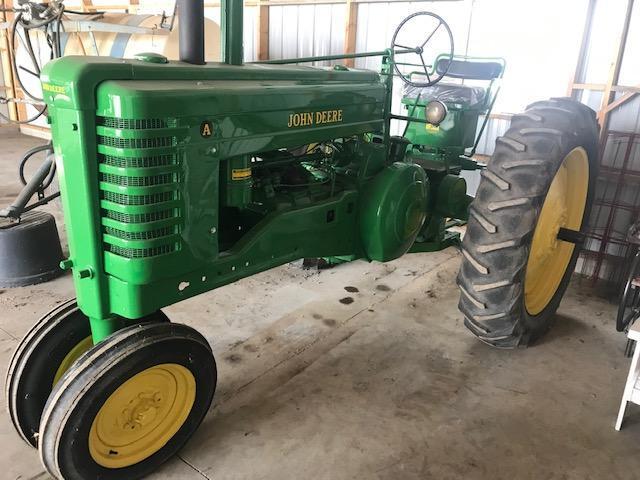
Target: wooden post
{"x": 614, "y": 73}
{"x": 620, "y": 101}
{"x": 350, "y": 31}
{"x": 86, "y": 5}
{"x": 263, "y": 31}
{"x": 5, "y": 53}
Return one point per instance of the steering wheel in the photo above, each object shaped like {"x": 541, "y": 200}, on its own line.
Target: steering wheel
{"x": 420, "y": 49}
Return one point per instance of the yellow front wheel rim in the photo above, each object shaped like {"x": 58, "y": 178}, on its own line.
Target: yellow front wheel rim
{"x": 142, "y": 415}
{"x": 564, "y": 206}
{"x": 84, "y": 345}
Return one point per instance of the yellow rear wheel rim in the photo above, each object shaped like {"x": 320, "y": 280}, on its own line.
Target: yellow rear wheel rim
{"x": 71, "y": 357}
{"x": 563, "y": 206}
{"x": 142, "y": 415}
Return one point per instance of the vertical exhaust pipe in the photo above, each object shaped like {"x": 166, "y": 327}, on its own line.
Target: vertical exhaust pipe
{"x": 191, "y": 34}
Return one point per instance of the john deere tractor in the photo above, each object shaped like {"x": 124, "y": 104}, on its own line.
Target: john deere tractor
{"x": 179, "y": 177}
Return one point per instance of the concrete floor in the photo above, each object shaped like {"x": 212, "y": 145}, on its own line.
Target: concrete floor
{"x": 366, "y": 372}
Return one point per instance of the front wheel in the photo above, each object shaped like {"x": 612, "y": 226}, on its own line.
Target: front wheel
{"x": 43, "y": 356}
{"x": 128, "y": 404}
{"x": 538, "y": 186}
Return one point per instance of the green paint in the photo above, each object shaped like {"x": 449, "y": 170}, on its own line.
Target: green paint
{"x": 443, "y": 151}
{"x": 177, "y": 179}
{"x": 101, "y": 328}
{"x": 392, "y": 211}
{"x": 231, "y": 31}
{"x": 151, "y": 57}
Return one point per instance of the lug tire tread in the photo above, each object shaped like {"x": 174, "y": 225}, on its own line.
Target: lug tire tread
{"x": 502, "y": 220}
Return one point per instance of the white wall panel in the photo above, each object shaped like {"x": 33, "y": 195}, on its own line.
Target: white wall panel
{"x": 250, "y": 34}
{"x": 290, "y": 37}
{"x": 306, "y": 30}
{"x": 377, "y": 23}
{"x": 275, "y": 32}
{"x": 321, "y": 34}
{"x": 629, "y": 72}
{"x": 250, "y": 38}
{"x": 306, "y": 14}
{"x": 496, "y": 127}
{"x": 605, "y": 31}
{"x": 626, "y": 118}
{"x": 338, "y": 31}
{"x": 540, "y": 41}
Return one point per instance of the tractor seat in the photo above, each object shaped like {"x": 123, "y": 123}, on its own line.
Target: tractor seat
{"x": 447, "y": 93}
{"x": 463, "y": 68}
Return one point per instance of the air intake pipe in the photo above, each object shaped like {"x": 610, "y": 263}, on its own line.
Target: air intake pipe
{"x": 231, "y": 29}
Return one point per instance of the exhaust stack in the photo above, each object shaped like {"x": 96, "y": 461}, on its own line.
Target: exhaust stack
{"x": 191, "y": 35}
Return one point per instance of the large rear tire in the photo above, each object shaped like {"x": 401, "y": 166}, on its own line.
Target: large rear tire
{"x": 541, "y": 178}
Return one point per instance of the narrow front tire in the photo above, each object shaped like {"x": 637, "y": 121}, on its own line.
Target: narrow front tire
{"x": 128, "y": 404}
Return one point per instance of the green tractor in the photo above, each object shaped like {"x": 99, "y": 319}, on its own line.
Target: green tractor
{"x": 447, "y": 116}
{"x": 180, "y": 177}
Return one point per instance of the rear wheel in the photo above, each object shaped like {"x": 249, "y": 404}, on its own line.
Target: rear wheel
{"x": 540, "y": 179}
{"x": 128, "y": 404}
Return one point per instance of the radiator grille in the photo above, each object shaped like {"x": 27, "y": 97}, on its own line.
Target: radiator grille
{"x": 141, "y": 224}
{"x": 137, "y": 162}
{"x": 125, "y": 181}
{"x": 148, "y": 235}
{"x": 138, "y": 217}
{"x": 126, "y": 199}
{"x": 118, "y": 142}
{"x": 136, "y": 124}
{"x": 141, "y": 252}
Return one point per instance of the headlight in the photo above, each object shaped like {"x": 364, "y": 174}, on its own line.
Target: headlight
{"x": 435, "y": 111}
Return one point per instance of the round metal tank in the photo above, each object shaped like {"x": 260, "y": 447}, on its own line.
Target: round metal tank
{"x": 126, "y": 45}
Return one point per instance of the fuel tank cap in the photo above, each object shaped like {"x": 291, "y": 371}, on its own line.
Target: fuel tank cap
{"x": 151, "y": 57}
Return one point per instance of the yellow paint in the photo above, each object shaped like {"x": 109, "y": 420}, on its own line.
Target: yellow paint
{"x": 47, "y": 87}
{"x": 306, "y": 119}
{"x": 433, "y": 128}
{"x": 71, "y": 357}
{"x": 563, "y": 207}
{"x": 240, "y": 173}
{"x": 142, "y": 415}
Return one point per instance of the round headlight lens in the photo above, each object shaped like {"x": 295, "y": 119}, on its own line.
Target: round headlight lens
{"x": 435, "y": 111}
